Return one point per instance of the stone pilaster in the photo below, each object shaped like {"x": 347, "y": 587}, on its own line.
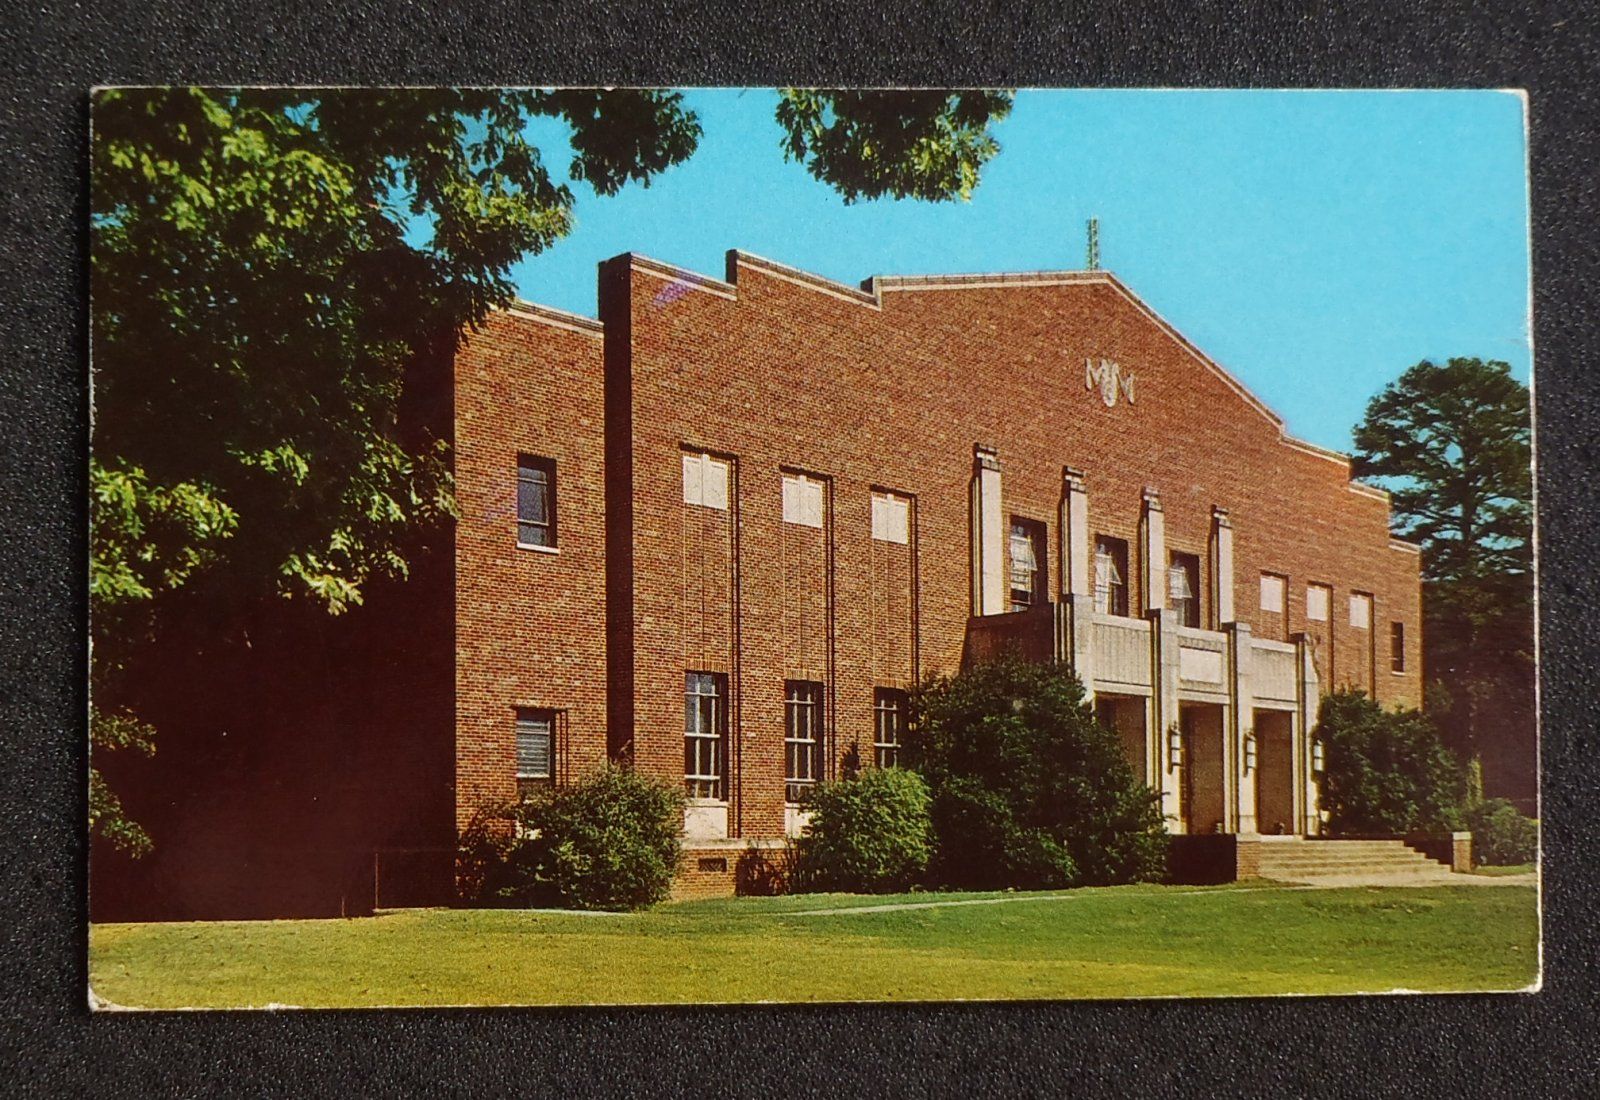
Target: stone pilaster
{"x": 1168, "y": 774}
{"x": 1221, "y": 567}
{"x": 1241, "y": 731}
{"x": 1153, "y": 559}
{"x": 988, "y": 534}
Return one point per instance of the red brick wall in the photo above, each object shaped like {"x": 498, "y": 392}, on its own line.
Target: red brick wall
{"x": 530, "y": 627}
{"x": 785, "y": 373}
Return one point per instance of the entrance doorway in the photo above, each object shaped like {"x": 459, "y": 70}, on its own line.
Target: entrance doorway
{"x": 1203, "y": 807}
{"x": 1274, "y": 730}
{"x": 1126, "y": 715}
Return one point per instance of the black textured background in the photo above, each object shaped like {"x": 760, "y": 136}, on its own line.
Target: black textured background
{"x": 1448, "y": 1046}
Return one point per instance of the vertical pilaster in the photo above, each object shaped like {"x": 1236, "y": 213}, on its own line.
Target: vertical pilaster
{"x": 1153, "y": 556}
{"x": 1164, "y": 724}
{"x": 1241, "y": 732}
{"x": 988, "y": 534}
{"x": 1077, "y": 586}
{"x": 1307, "y": 695}
{"x": 1221, "y": 567}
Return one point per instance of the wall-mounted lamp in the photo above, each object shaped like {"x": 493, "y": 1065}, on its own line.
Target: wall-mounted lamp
{"x": 1316, "y": 757}
{"x": 1249, "y": 752}
{"x": 1174, "y": 747}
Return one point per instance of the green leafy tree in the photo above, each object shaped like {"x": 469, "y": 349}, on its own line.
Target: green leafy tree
{"x": 1029, "y": 790}
{"x": 923, "y": 144}
{"x": 1452, "y": 443}
{"x": 1385, "y": 771}
{"x": 276, "y": 275}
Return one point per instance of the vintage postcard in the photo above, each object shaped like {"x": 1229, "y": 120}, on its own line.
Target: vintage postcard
{"x": 599, "y": 546}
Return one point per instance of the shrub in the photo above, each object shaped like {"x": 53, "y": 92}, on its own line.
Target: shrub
{"x": 1029, "y": 790}
{"x": 610, "y": 841}
{"x": 869, "y": 834}
{"x": 1501, "y": 836}
{"x": 1385, "y": 771}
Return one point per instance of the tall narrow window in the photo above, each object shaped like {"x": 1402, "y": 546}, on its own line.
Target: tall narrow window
{"x": 535, "y": 731}
{"x": 1183, "y": 588}
{"x": 1397, "y": 647}
{"x": 536, "y": 501}
{"x": 1027, "y": 563}
{"x": 1110, "y": 575}
{"x": 705, "y": 734}
{"x": 802, "y": 737}
{"x": 889, "y": 707}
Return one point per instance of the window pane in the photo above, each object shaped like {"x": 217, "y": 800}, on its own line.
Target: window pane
{"x": 716, "y": 484}
{"x": 534, "y": 744}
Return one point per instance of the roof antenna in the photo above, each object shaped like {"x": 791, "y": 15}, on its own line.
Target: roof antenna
{"x": 1094, "y": 244}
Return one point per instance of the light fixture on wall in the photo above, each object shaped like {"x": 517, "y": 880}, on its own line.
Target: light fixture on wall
{"x": 1174, "y": 747}
{"x": 1249, "y": 752}
{"x": 1316, "y": 757}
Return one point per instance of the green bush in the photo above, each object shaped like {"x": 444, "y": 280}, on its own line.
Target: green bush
{"x": 1029, "y": 790}
{"x": 868, "y": 834}
{"x": 610, "y": 841}
{"x": 1501, "y": 836}
{"x": 1385, "y": 771}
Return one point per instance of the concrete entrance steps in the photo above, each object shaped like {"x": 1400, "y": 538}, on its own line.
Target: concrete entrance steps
{"x": 1294, "y": 859}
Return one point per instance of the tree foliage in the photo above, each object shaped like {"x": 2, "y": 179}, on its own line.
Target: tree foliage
{"x": 867, "y": 144}
{"x": 1029, "y": 790}
{"x": 1453, "y": 445}
{"x": 1385, "y": 771}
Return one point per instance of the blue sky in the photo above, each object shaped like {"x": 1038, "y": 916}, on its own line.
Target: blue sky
{"x": 1314, "y": 243}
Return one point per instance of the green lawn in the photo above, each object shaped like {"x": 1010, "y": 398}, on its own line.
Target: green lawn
{"x": 1136, "y": 941}
{"x": 1509, "y": 869}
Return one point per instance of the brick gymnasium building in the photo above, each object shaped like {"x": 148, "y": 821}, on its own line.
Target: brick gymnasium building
{"x": 724, "y": 529}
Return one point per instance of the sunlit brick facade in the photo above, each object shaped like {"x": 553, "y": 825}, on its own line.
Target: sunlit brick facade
{"x": 717, "y": 531}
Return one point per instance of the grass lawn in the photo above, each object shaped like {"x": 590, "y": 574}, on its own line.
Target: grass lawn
{"x": 1132, "y": 941}
{"x": 1509, "y": 869}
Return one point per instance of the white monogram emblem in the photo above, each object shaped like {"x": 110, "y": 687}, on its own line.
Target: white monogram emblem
{"x": 1109, "y": 378}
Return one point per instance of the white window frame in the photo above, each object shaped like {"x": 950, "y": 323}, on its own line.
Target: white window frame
{"x": 891, "y": 518}
{"x": 705, "y": 481}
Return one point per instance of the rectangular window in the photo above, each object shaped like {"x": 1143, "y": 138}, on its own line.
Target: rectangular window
{"x": 802, "y": 500}
{"x": 1397, "y": 647}
{"x": 1361, "y": 611}
{"x": 1273, "y": 590}
{"x": 1027, "y": 563}
{"x": 536, "y": 501}
{"x": 889, "y": 707}
{"x": 705, "y": 734}
{"x": 1317, "y": 603}
{"x": 1183, "y": 588}
{"x": 802, "y": 737}
{"x": 1110, "y": 575}
{"x": 891, "y": 518}
{"x": 535, "y": 732}
{"x": 705, "y": 481}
